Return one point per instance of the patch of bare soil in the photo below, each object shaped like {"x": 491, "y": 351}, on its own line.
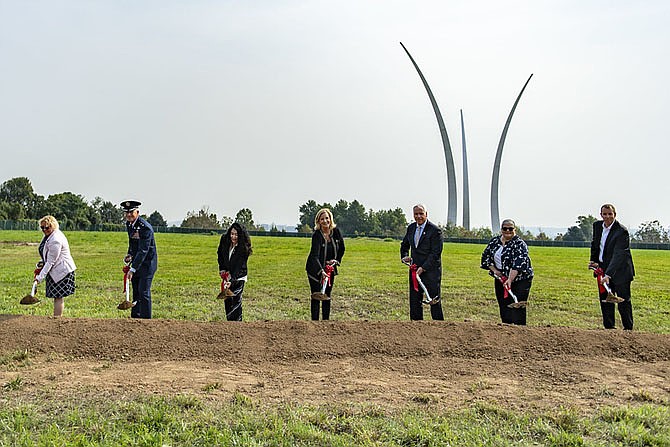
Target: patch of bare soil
{"x": 386, "y": 363}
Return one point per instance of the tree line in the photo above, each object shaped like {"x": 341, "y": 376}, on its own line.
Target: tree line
{"x": 18, "y": 201}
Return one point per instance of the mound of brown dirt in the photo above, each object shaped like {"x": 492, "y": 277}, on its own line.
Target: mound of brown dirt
{"x": 389, "y": 363}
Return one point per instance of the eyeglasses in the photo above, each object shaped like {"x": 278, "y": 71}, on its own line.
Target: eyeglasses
{"x": 44, "y": 228}
{"x": 507, "y": 228}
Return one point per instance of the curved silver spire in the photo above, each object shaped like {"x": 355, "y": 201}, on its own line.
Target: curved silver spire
{"x": 451, "y": 173}
{"x": 495, "y": 212}
{"x": 466, "y": 183}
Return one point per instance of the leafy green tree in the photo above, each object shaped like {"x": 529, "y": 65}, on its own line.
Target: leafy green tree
{"x": 245, "y": 218}
{"x": 481, "y": 233}
{"x": 17, "y": 190}
{"x": 70, "y": 209}
{"x": 583, "y": 231}
{"x": 156, "y": 220}
{"x": 307, "y": 212}
{"x": 457, "y": 231}
{"x": 37, "y": 207}
{"x": 451, "y": 230}
{"x": 340, "y": 211}
{"x": 574, "y": 233}
{"x": 542, "y": 236}
{"x": 392, "y": 222}
{"x": 585, "y": 223}
{"x": 226, "y": 222}
{"x": 652, "y": 232}
{"x": 11, "y": 211}
{"x": 304, "y": 228}
{"x": 525, "y": 235}
{"x": 201, "y": 219}
{"x": 351, "y": 218}
{"x": 103, "y": 211}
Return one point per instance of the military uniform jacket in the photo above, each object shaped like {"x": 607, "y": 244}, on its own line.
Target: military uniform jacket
{"x": 617, "y": 260}
{"x": 142, "y": 246}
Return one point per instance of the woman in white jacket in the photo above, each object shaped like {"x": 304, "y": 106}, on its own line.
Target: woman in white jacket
{"x": 59, "y": 266}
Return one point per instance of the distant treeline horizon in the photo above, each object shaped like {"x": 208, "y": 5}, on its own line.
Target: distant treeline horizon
{"x": 19, "y": 202}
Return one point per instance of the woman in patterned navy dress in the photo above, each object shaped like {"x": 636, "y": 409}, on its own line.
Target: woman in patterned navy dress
{"x": 506, "y": 256}
{"x": 59, "y": 267}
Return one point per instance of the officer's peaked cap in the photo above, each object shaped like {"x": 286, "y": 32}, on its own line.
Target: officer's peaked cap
{"x": 130, "y": 205}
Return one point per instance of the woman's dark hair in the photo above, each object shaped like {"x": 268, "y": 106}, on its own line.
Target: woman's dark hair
{"x": 243, "y": 238}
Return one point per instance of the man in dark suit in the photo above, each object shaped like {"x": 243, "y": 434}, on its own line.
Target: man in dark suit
{"x": 142, "y": 257}
{"x": 610, "y": 251}
{"x": 425, "y": 241}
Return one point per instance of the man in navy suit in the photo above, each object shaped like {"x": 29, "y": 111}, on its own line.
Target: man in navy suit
{"x": 142, "y": 256}
{"x": 610, "y": 251}
{"x": 424, "y": 239}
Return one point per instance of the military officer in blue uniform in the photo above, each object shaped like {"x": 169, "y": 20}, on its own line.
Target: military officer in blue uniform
{"x": 142, "y": 257}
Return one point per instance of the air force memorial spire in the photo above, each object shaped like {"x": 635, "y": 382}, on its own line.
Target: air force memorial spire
{"x": 451, "y": 174}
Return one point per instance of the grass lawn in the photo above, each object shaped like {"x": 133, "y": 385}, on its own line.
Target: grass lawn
{"x": 372, "y": 284}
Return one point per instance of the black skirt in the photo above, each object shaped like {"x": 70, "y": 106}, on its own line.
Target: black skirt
{"x": 62, "y": 288}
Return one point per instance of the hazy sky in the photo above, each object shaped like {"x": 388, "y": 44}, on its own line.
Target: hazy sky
{"x": 267, "y": 104}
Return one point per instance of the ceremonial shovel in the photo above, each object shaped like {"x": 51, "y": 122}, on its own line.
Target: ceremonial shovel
{"x": 225, "y": 287}
{"x": 126, "y": 304}
{"x": 516, "y": 304}
{"x": 321, "y": 296}
{"x": 31, "y": 299}
{"x": 611, "y": 297}
{"x": 426, "y": 297}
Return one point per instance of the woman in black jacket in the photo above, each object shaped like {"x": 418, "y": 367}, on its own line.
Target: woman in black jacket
{"x": 234, "y": 250}
{"x": 324, "y": 257}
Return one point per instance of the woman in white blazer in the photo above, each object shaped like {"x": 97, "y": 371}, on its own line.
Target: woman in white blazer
{"x": 59, "y": 266}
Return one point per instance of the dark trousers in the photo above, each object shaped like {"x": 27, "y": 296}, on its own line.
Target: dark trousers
{"x": 142, "y": 295}
{"x": 415, "y": 304}
{"x": 315, "y": 286}
{"x": 234, "y": 303}
{"x": 521, "y": 290}
{"x": 625, "y": 307}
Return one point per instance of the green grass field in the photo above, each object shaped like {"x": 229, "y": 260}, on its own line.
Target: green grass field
{"x": 372, "y": 284}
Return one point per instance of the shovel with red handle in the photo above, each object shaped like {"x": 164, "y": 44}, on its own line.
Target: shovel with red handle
{"x": 126, "y": 304}
{"x": 31, "y": 299}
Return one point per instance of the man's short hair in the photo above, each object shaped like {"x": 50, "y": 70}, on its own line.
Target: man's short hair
{"x": 608, "y": 206}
